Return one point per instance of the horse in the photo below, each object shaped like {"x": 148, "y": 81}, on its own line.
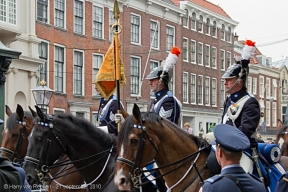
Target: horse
{"x": 144, "y": 137}
{"x": 282, "y": 140}
{"x": 15, "y": 142}
{"x": 92, "y": 151}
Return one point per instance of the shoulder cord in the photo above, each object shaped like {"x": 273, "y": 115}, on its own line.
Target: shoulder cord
{"x": 236, "y": 181}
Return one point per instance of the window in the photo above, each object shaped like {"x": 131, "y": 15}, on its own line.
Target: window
{"x": 185, "y": 19}
{"x": 43, "y": 54}
{"x": 200, "y": 54}
{"x": 214, "y": 29}
{"x": 80, "y": 115}
{"x": 135, "y": 75}
{"x": 193, "y": 51}
{"x": 135, "y": 29}
{"x": 95, "y": 118}
{"x": 111, "y": 22}
{"x": 268, "y": 116}
{"x": 170, "y": 34}
{"x": 200, "y": 24}
{"x": 274, "y": 114}
{"x": 98, "y": 22}
{"x": 222, "y": 93}
{"x": 223, "y": 32}
{"x": 274, "y": 89}
{"x": 222, "y": 60}
{"x": 42, "y": 10}
{"x": 249, "y": 87}
{"x": 208, "y": 26}
{"x": 59, "y": 111}
{"x": 97, "y": 61}
{"x": 268, "y": 88}
{"x": 154, "y": 34}
{"x": 200, "y": 90}
{"x": 185, "y": 49}
{"x": 193, "y": 21}
{"x": 207, "y": 91}
{"x": 78, "y": 70}
{"x": 59, "y": 13}
{"x": 153, "y": 64}
{"x": 228, "y": 59}
{"x": 214, "y": 92}
{"x": 193, "y": 89}
{"x": 229, "y": 36}
{"x": 185, "y": 87}
{"x": 261, "y": 87}
{"x": 254, "y": 86}
{"x": 78, "y": 17}
{"x": 59, "y": 69}
{"x": 207, "y": 55}
{"x": 214, "y": 57}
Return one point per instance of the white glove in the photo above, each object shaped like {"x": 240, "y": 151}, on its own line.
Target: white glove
{"x": 118, "y": 118}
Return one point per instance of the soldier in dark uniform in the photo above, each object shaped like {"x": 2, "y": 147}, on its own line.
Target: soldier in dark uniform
{"x": 282, "y": 185}
{"x": 230, "y": 143}
{"x": 107, "y": 114}
{"x": 164, "y": 104}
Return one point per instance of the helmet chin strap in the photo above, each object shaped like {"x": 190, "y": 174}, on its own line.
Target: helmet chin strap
{"x": 234, "y": 85}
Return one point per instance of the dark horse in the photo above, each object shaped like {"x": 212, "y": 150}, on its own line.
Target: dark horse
{"x": 15, "y": 142}
{"x": 181, "y": 157}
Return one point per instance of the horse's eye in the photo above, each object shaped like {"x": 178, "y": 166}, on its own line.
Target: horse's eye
{"x": 38, "y": 139}
{"x": 15, "y": 135}
{"x": 133, "y": 141}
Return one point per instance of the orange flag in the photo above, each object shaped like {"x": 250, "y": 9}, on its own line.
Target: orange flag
{"x": 111, "y": 70}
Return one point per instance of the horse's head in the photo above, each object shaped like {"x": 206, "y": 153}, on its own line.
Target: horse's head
{"x": 15, "y": 135}
{"x": 42, "y": 141}
{"x": 137, "y": 146}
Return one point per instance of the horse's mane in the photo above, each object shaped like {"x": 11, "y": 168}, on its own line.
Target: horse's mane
{"x": 12, "y": 120}
{"x": 153, "y": 118}
{"x": 82, "y": 123}
{"x": 283, "y": 129}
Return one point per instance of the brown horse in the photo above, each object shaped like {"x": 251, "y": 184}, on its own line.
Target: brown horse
{"x": 282, "y": 140}
{"x": 181, "y": 157}
{"x": 15, "y": 142}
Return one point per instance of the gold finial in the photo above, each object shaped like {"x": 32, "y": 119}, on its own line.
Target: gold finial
{"x": 116, "y": 11}
{"x": 43, "y": 83}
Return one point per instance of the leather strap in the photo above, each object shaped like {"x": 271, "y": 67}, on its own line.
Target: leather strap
{"x": 236, "y": 181}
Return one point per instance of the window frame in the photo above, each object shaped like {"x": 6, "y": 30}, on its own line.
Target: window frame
{"x": 193, "y": 51}
{"x": 214, "y": 92}
{"x": 137, "y": 76}
{"x": 214, "y": 29}
{"x": 214, "y": 65}
{"x": 98, "y": 21}
{"x": 62, "y": 11}
{"x": 193, "y": 21}
{"x": 193, "y": 95}
{"x": 94, "y": 68}
{"x": 222, "y": 59}
{"x": 185, "y": 51}
{"x": 139, "y": 29}
{"x": 200, "y": 89}
{"x": 168, "y": 48}
{"x": 200, "y": 53}
{"x": 75, "y": 78}
{"x": 157, "y": 35}
{"x": 82, "y": 32}
{"x": 45, "y": 3}
{"x": 223, "y": 32}
{"x": 63, "y": 82}
{"x": 45, "y": 64}
{"x": 185, "y": 87}
{"x": 207, "y": 91}
{"x": 208, "y": 27}
{"x": 207, "y": 55}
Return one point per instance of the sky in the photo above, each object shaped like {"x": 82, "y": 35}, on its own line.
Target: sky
{"x": 263, "y": 21}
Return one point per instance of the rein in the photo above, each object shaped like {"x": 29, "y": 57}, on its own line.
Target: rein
{"x": 135, "y": 178}
{"x": 13, "y": 154}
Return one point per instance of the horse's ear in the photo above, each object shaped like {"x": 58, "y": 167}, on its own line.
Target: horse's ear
{"x": 136, "y": 112}
{"x": 34, "y": 114}
{"x": 8, "y": 110}
{"x": 20, "y": 111}
{"x": 40, "y": 113}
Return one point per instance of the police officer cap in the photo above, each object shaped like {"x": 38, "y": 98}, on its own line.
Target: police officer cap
{"x": 231, "y": 138}
{"x": 1, "y": 121}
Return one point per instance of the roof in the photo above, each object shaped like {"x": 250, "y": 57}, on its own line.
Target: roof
{"x": 280, "y": 63}
{"x": 208, "y": 5}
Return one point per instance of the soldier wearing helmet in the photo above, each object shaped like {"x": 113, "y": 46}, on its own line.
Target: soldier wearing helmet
{"x": 164, "y": 104}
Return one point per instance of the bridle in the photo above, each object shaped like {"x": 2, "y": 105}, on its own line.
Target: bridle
{"x": 135, "y": 166}
{"x": 18, "y": 148}
{"x": 42, "y": 167}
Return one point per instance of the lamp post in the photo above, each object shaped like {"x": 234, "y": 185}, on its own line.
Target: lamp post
{"x": 6, "y": 56}
{"x": 42, "y": 95}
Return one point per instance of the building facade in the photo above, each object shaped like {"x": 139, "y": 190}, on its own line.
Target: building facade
{"x": 17, "y": 31}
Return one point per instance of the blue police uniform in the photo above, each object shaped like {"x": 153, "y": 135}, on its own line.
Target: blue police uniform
{"x": 233, "y": 140}
{"x": 166, "y": 105}
{"x": 282, "y": 185}
{"x": 249, "y": 117}
{"x": 106, "y": 115}
{"x": 24, "y": 185}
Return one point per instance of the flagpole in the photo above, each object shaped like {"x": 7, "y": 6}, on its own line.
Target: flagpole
{"x": 116, "y": 31}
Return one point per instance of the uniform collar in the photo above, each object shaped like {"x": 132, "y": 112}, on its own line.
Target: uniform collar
{"x": 160, "y": 93}
{"x": 237, "y": 95}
